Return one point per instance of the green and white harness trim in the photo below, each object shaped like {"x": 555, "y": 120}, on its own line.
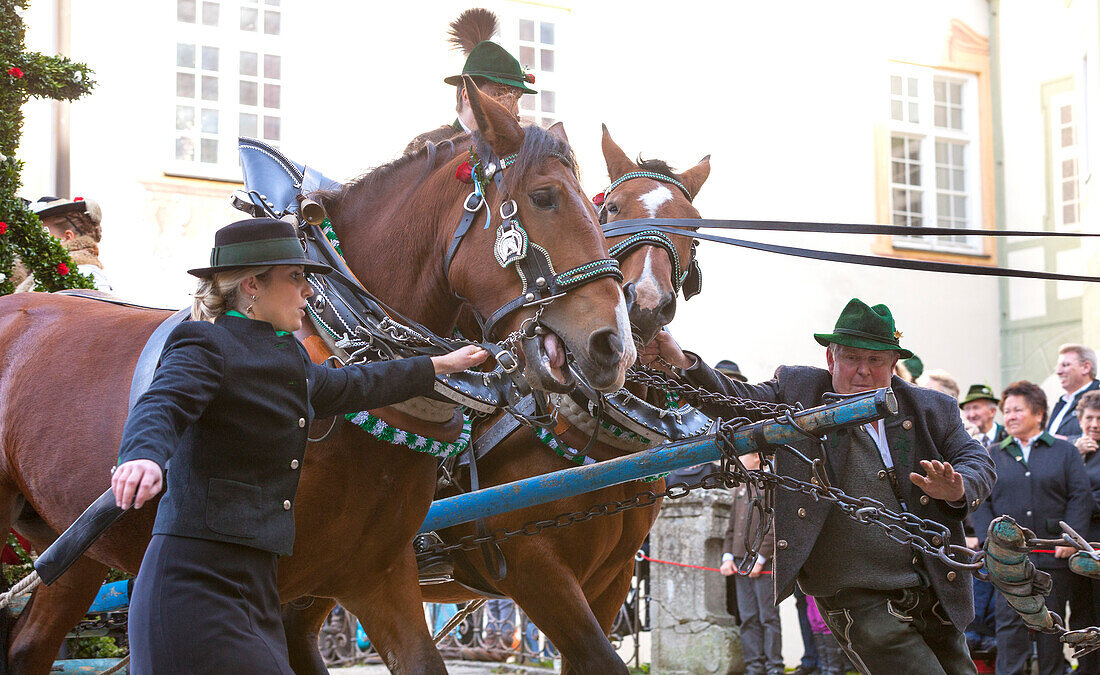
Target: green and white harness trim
{"x": 384, "y": 432}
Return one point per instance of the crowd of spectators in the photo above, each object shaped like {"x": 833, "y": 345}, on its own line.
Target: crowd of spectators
{"x": 1047, "y": 473}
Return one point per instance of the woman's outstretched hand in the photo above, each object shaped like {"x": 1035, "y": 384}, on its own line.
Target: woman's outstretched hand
{"x": 459, "y": 360}
{"x": 136, "y": 482}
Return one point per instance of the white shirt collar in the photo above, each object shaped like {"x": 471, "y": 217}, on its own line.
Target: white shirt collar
{"x": 1068, "y": 398}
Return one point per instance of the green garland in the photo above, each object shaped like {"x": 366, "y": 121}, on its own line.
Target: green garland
{"x": 25, "y": 74}
{"x": 384, "y": 432}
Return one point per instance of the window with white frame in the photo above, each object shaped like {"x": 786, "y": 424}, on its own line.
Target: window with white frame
{"x": 934, "y": 157}
{"x": 1065, "y": 165}
{"x": 228, "y": 82}
{"x": 537, "y": 50}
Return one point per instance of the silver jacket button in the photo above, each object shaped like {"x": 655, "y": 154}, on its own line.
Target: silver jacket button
{"x": 286, "y": 505}
{"x": 294, "y": 464}
{"x": 301, "y": 422}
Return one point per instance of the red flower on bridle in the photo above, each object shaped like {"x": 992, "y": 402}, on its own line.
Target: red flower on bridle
{"x": 598, "y": 199}
{"x": 465, "y": 173}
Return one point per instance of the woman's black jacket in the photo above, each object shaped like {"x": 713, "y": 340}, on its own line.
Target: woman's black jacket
{"x": 231, "y": 403}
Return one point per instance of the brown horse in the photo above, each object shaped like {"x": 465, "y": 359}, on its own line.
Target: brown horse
{"x": 572, "y": 581}
{"x": 67, "y": 364}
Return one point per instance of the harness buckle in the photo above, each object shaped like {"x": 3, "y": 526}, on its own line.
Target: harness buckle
{"x": 478, "y": 202}
{"x": 507, "y": 361}
{"x": 507, "y": 215}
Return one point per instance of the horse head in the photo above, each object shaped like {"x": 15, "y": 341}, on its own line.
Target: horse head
{"x": 580, "y": 322}
{"x": 497, "y": 222}
{"x": 656, "y": 266}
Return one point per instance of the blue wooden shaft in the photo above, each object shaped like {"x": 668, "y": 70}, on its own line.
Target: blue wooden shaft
{"x": 570, "y": 482}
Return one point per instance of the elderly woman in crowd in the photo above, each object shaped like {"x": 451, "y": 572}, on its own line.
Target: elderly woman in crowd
{"x": 1084, "y": 601}
{"x": 1040, "y": 481}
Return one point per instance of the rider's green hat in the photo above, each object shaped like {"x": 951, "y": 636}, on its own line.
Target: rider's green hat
{"x": 492, "y": 62}
{"x": 979, "y": 392}
{"x": 866, "y": 328}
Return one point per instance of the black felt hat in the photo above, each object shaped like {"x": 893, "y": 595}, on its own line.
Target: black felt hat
{"x": 730, "y": 369}
{"x": 258, "y": 242}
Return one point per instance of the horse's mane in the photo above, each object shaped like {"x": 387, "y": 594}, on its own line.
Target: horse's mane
{"x": 538, "y": 145}
{"x": 656, "y": 166}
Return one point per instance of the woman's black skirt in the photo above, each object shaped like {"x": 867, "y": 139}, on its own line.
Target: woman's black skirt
{"x": 203, "y": 606}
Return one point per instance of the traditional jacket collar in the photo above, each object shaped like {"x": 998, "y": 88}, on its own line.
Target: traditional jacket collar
{"x": 1044, "y": 438}
{"x": 238, "y": 320}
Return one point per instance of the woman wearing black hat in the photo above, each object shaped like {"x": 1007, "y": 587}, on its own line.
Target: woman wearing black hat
{"x": 231, "y": 404}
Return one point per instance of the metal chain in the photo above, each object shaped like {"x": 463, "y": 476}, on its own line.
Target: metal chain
{"x": 741, "y": 406}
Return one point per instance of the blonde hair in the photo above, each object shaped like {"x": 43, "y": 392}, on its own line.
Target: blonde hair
{"x": 221, "y": 291}
{"x": 1084, "y": 353}
{"x": 939, "y": 380}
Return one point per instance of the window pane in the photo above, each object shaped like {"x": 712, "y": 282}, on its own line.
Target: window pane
{"x": 897, "y": 147}
{"x": 957, "y": 150}
{"x": 912, "y": 87}
{"x": 185, "y": 56}
{"x": 209, "y": 121}
{"x": 210, "y": 12}
{"x": 185, "y": 85}
{"x": 272, "y": 23}
{"x": 1066, "y": 114}
{"x": 901, "y": 200}
{"x": 208, "y": 151}
{"x": 527, "y": 56}
{"x": 897, "y": 172}
{"x": 941, "y": 152}
{"x": 914, "y": 202}
{"x": 895, "y": 110}
{"x": 914, "y": 115}
{"x": 1067, "y": 137}
{"x": 185, "y": 11}
{"x": 548, "y": 101}
{"x": 940, "y": 116}
{"x": 1069, "y": 168}
{"x": 273, "y": 66}
{"x": 547, "y": 64}
{"x": 185, "y": 149}
{"x": 1069, "y": 190}
{"x": 249, "y": 16}
{"x": 271, "y": 95}
{"x": 943, "y": 205}
{"x": 185, "y": 117}
{"x": 895, "y": 85}
{"x": 914, "y": 174}
{"x": 248, "y": 93}
{"x": 527, "y": 30}
{"x": 546, "y": 33}
{"x": 939, "y": 91}
{"x": 956, "y": 94}
{"x": 248, "y": 63}
{"x": 273, "y": 3}
{"x": 914, "y": 150}
{"x": 960, "y": 209}
{"x": 271, "y": 128}
{"x": 958, "y": 182}
{"x": 943, "y": 178}
{"x": 1069, "y": 214}
{"x": 209, "y": 88}
{"x": 247, "y": 125}
{"x": 209, "y": 58}
{"x": 527, "y": 102}
{"x": 956, "y": 118}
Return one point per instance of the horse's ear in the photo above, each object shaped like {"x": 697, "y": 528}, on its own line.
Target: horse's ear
{"x": 557, "y": 130}
{"x": 694, "y": 177}
{"x": 618, "y": 164}
{"x": 498, "y": 127}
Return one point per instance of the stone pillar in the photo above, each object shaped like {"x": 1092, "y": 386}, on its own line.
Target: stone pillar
{"x": 691, "y": 631}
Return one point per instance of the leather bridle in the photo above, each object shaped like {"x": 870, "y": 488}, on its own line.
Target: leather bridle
{"x": 689, "y": 278}
{"x": 541, "y": 284}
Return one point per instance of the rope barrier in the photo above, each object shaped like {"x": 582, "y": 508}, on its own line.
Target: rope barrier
{"x": 25, "y": 585}
{"x": 642, "y": 556}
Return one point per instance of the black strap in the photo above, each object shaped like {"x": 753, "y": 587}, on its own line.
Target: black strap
{"x": 463, "y": 227}
{"x": 893, "y": 263}
{"x": 633, "y": 225}
{"x": 494, "y": 557}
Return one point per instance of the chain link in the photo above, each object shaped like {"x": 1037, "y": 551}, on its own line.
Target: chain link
{"x": 742, "y": 407}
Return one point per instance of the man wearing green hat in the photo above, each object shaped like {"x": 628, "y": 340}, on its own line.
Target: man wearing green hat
{"x": 980, "y": 407}
{"x": 890, "y": 608}
{"x": 496, "y": 73}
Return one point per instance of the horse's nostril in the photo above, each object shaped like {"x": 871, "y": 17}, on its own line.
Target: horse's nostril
{"x": 605, "y": 347}
{"x": 666, "y": 311}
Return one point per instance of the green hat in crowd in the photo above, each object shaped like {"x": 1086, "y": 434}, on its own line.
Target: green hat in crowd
{"x": 979, "y": 392}
{"x": 492, "y": 62}
{"x": 914, "y": 365}
{"x": 866, "y": 328}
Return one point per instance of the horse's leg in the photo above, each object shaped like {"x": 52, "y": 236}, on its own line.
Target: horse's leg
{"x": 552, "y": 597}
{"x": 301, "y": 627}
{"x": 390, "y": 607}
{"x": 49, "y": 616}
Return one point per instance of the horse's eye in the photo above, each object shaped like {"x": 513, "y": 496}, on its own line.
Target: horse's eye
{"x": 543, "y": 199}
{"x": 612, "y": 208}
